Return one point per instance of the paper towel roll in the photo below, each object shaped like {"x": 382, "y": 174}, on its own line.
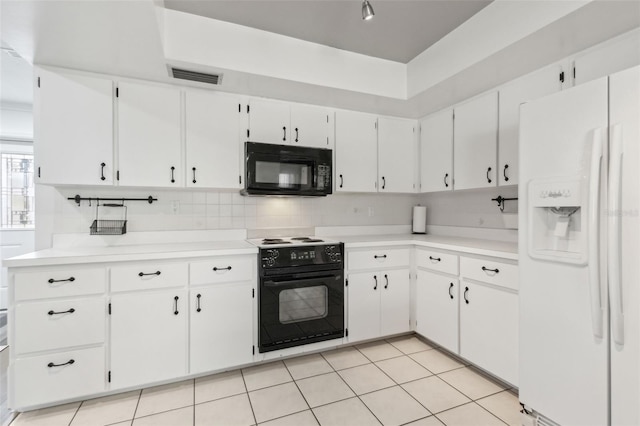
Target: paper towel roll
{"x": 419, "y": 220}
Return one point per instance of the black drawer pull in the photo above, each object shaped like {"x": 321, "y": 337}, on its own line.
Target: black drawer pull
{"x": 175, "y": 299}
{"x": 284, "y": 131}
{"x": 491, "y": 270}
{"x": 384, "y": 182}
{"x": 386, "y": 278}
{"x": 102, "y": 165}
{"x": 296, "y": 134}
{"x": 466, "y": 289}
{"x": 194, "y": 174}
{"x": 437, "y": 259}
{"x": 504, "y": 173}
{"x": 446, "y": 180}
{"x": 173, "y": 180}
{"x": 228, "y": 268}
{"x": 70, "y": 279}
{"x": 198, "y": 303}
{"x": 488, "y": 171}
{"x": 142, "y": 274}
{"x": 70, "y": 311}
{"x": 71, "y": 361}
{"x": 341, "y": 181}
{"x": 376, "y": 280}
{"x": 384, "y": 256}
{"x": 450, "y": 288}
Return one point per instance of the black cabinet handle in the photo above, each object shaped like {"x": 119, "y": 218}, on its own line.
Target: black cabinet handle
{"x": 102, "y": 165}
{"x": 491, "y": 270}
{"x": 384, "y": 182}
{"x": 71, "y": 361}
{"x": 194, "y": 174}
{"x": 446, "y": 180}
{"x": 175, "y": 300}
{"x": 284, "y": 133}
{"x": 70, "y": 311}
{"x": 296, "y": 134}
{"x": 384, "y": 256}
{"x": 386, "y": 278}
{"x": 341, "y": 181}
{"x": 504, "y": 173}
{"x": 437, "y": 259}
{"x": 488, "y": 178}
{"x": 466, "y": 289}
{"x": 142, "y": 274}
{"x": 173, "y": 180}
{"x": 375, "y": 287}
{"x": 51, "y": 280}
{"x": 198, "y": 303}
{"x": 451, "y": 288}
{"x": 228, "y": 268}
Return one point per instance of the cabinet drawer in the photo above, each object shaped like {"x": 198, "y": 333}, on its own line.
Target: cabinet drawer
{"x": 382, "y": 257}
{"x": 222, "y": 269}
{"x": 490, "y": 271}
{"x": 41, "y": 326}
{"x": 144, "y": 276}
{"x": 59, "y": 282}
{"x": 436, "y": 261}
{"x": 36, "y": 383}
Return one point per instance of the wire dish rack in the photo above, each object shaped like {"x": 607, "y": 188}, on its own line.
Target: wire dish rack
{"x": 109, "y": 226}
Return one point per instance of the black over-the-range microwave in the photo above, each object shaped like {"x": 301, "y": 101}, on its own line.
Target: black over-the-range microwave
{"x": 287, "y": 170}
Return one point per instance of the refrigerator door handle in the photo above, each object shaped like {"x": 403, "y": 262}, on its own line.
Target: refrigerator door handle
{"x": 614, "y": 234}
{"x": 593, "y": 235}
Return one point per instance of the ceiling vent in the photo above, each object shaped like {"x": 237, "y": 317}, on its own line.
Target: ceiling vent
{"x": 196, "y": 76}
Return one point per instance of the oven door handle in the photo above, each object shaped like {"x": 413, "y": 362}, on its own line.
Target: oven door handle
{"x": 272, "y": 283}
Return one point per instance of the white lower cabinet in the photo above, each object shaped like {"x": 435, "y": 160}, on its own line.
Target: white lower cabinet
{"x": 148, "y": 337}
{"x": 437, "y": 308}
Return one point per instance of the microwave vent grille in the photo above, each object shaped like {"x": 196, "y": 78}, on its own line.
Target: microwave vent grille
{"x": 196, "y": 76}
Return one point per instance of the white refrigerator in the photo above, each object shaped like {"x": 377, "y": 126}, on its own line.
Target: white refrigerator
{"x": 579, "y": 254}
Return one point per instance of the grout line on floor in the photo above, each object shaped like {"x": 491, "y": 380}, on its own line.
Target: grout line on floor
{"x": 137, "y": 405}
{"x": 253, "y": 413}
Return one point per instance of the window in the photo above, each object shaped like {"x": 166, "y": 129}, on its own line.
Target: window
{"x": 17, "y": 196}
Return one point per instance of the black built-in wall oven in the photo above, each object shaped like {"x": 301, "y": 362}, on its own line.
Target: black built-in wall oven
{"x": 301, "y": 295}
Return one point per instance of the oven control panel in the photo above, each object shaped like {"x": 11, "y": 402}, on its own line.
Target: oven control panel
{"x": 307, "y": 255}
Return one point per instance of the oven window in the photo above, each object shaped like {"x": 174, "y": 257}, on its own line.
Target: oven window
{"x": 303, "y": 304}
{"x": 284, "y": 175}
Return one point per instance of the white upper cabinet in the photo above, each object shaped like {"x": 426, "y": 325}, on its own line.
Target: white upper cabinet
{"x": 529, "y": 87}
{"x": 288, "y": 124}
{"x": 356, "y": 152}
{"x": 213, "y": 151}
{"x": 149, "y": 135}
{"x": 396, "y": 155}
{"x": 475, "y": 143}
{"x": 436, "y": 152}
{"x": 73, "y": 138}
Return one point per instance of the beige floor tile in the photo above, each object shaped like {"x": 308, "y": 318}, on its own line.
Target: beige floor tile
{"x": 264, "y": 375}
{"x": 403, "y": 369}
{"x": 277, "y": 401}
{"x": 471, "y": 383}
{"x": 469, "y": 415}
{"x": 345, "y": 358}
{"x": 303, "y": 418}
{"x": 429, "y": 421}
{"x": 164, "y": 398}
{"x": 435, "y": 361}
{"x": 504, "y": 405}
{"x": 377, "y": 351}
{"x": 231, "y": 411}
{"x": 107, "y": 410}
{"x": 348, "y": 412}
{"x": 179, "y": 417}
{"x": 321, "y": 390}
{"x": 366, "y": 378}
{"x": 435, "y": 394}
{"x": 307, "y": 366}
{"x": 219, "y": 386}
{"x": 53, "y": 416}
{"x": 394, "y": 406}
{"x": 409, "y": 344}
{"x": 127, "y": 423}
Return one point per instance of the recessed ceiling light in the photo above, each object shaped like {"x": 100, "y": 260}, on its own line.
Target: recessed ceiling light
{"x": 367, "y": 10}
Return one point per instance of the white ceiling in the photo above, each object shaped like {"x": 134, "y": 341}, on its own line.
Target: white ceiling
{"x": 399, "y": 31}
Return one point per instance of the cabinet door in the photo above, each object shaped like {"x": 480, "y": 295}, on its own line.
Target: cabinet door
{"x": 437, "y": 309}
{"x": 394, "y": 302}
{"x": 611, "y": 57}
{"x": 221, "y": 327}
{"x": 475, "y": 142}
{"x": 269, "y": 122}
{"x": 396, "y": 155}
{"x": 356, "y": 152}
{"x": 527, "y": 88}
{"x": 489, "y": 329}
{"x": 213, "y": 146}
{"x": 148, "y": 337}
{"x": 149, "y": 135}
{"x": 364, "y": 305}
{"x": 436, "y": 152}
{"x": 73, "y": 137}
{"x": 309, "y": 126}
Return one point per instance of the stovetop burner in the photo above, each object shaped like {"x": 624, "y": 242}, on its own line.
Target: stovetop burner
{"x": 289, "y": 241}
